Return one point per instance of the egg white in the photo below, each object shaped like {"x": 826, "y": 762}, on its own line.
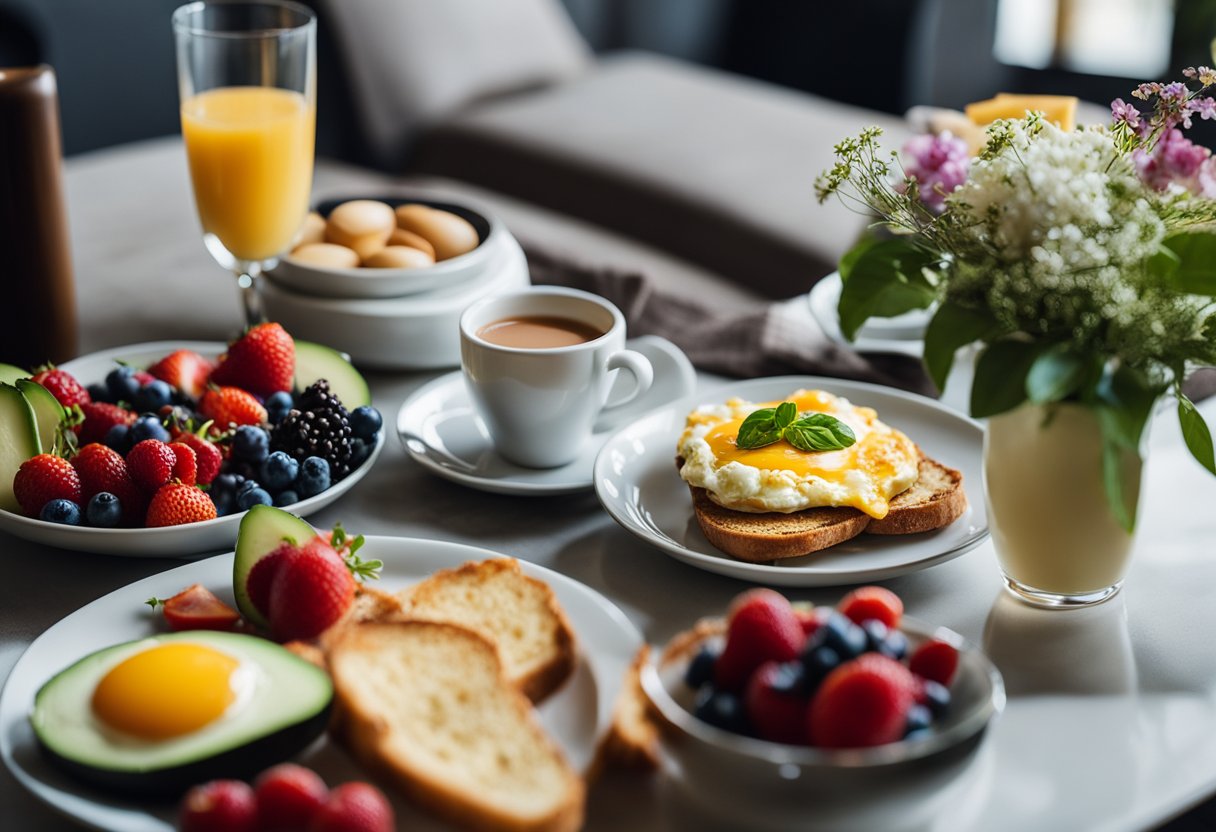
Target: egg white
{"x": 746, "y": 488}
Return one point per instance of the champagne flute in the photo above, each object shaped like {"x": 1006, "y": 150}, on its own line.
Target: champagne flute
{"x": 246, "y": 74}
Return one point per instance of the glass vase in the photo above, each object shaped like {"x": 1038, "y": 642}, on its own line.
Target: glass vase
{"x": 1057, "y": 539}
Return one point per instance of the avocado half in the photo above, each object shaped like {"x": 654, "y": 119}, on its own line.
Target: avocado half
{"x": 288, "y": 709}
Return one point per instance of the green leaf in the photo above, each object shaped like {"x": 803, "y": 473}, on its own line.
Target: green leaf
{"x": 1163, "y": 264}
{"x": 852, "y": 255}
{"x": 1056, "y": 373}
{"x": 758, "y": 429}
{"x": 953, "y": 327}
{"x": 1196, "y": 270}
{"x": 1000, "y": 377}
{"x": 886, "y": 280}
{"x": 786, "y": 413}
{"x": 1124, "y": 401}
{"x": 1112, "y": 480}
{"x": 820, "y": 432}
{"x": 1195, "y": 432}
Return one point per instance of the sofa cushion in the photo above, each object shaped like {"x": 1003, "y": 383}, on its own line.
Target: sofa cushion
{"x": 712, "y": 167}
{"x": 412, "y": 62}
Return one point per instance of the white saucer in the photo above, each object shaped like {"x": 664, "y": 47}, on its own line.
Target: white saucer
{"x": 904, "y": 334}
{"x": 440, "y": 430}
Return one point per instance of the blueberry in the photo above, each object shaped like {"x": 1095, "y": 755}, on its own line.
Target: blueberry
{"x": 104, "y": 510}
{"x": 918, "y": 734}
{"x": 876, "y": 634}
{"x": 153, "y": 396}
{"x": 365, "y": 422}
{"x": 841, "y": 634}
{"x": 250, "y": 444}
{"x": 224, "y": 500}
{"x": 119, "y": 438}
{"x": 147, "y": 427}
{"x": 722, "y": 709}
{"x": 937, "y": 697}
{"x": 313, "y": 477}
{"x": 61, "y": 511}
{"x": 226, "y": 482}
{"x": 278, "y": 471}
{"x": 99, "y": 392}
{"x": 791, "y": 677}
{"x": 246, "y": 484}
{"x": 122, "y": 384}
{"x": 286, "y": 498}
{"x": 896, "y": 646}
{"x": 359, "y": 452}
{"x": 919, "y": 719}
{"x": 252, "y": 497}
{"x": 819, "y": 661}
{"x": 277, "y": 406}
{"x": 244, "y": 470}
{"x": 701, "y": 668}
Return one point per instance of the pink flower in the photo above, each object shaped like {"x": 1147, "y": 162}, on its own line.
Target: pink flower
{"x": 938, "y": 164}
{"x": 1175, "y": 159}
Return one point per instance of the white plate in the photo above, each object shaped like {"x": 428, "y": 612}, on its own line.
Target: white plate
{"x": 637, "y": 482}
{"x": 902, "y": 334}
{"x": 575, "y": 716}
{"x": 441, "y": 432}
{"x": 190, "y": 540}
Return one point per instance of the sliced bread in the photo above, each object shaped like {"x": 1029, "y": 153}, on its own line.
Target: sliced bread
{"x": 773, "y": 536}
{"x": 935, "y": 500}
{"x": 632, "y": 740}
{"x": 426, "y": 705}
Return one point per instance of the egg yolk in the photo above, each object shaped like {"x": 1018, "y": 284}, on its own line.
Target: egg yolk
{"x": 166, "y": 691}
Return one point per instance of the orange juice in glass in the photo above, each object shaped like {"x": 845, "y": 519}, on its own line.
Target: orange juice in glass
{"x": 247, "y": 76}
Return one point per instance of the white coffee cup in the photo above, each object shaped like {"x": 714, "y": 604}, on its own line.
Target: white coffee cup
{"x": 540, "y": 404}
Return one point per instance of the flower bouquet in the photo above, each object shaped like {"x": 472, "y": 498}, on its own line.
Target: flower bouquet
{"x": 1084, "y": 262}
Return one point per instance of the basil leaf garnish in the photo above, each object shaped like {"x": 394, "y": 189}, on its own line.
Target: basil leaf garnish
{"x": 819, "y": 432}
{"x": 758, "y": 429}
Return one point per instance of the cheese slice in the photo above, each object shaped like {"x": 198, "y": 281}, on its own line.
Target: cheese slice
{"x": 1060, "y": 109}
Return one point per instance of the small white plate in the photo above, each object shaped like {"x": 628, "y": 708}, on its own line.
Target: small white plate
{"x": 189, "y": 540}
{"x": 576, "y": 716}
{"x": 441, "y": 432}
{"x": 902, "y": 334}
{"x": 637, "y": 483}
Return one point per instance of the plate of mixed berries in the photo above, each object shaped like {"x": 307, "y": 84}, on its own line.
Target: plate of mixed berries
{"x": 158, "y": 449}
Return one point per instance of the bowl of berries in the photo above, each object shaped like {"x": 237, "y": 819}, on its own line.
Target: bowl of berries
{"x": 158, "y": 450}
{"x": 856, "y": 712}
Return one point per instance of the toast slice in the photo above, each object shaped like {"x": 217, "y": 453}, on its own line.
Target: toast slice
{"x": 759, "y": 538}
{"x": 427, "y": 706}
{"x": 632, "y": 740}
{"x": 518, "y": 613}
{"x": 934, "y": 501}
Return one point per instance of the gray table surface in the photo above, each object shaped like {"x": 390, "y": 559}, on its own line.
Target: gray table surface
{"x": 1111, "y": 710}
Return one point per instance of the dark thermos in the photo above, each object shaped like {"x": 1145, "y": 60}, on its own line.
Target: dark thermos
{"x": 37, "y": 295}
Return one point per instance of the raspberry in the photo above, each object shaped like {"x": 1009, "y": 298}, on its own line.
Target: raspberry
{"x": 862, "y": 703}
{"x": 288, "y": 797}
{"x": 936, "y": 661}
{"x": 151, "y": 464}
{"x": 874, "y": 602}
{"x": 219, "y": 806}
{"x": 354, "y": 807}
{"x": 762, "y": 627}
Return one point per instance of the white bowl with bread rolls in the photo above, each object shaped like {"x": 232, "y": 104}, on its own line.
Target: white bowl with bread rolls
{"x": 386, "y": 247}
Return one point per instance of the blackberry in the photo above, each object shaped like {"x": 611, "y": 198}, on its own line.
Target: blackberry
{"x": 318, "y": 425}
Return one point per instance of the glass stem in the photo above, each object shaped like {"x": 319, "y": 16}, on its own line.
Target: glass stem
{"x": 248, "y": 279}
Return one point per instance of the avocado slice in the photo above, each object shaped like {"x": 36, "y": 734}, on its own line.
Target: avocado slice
{"x": 283, "y": 705}
{"x": 314, "y": 362}
{"x": 262, "y": 530}
{"x": 18, "y": 441}
{"x": 48, "y": 412}
{"x": 10, "y": 373}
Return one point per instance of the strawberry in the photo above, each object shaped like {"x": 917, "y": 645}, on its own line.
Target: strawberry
{"x": 762, "y": 627}
{"x": 775, "y": 704}
{"x": 102, "y": 468}
{"x": 186, "y": 370}
{"x": 288, "y": 796}
{"x": 262, "y": 361}
{"x": 230, "y": 406}
{"x": 872, "y": 602}
{"x": 261, "y": 577}
{"x": 935, "y": 660}
{"x": 66, "y": 389}
{"x": 810, "y": 617}
{"x": 219, "y": 806}
{"x": 99, "y": 417}
{"x": 42, "y": 479}
{"x": 185, "y": 464}
{"x": 197, "y": 608}
{"x": 175, "y": 504}
{"x": 863, "y": 702}
{"x": 312, "y": 589}
{"x": 354, "y": 807}
{"x": 151, "y": 464}
{"x": 207, "y": 456}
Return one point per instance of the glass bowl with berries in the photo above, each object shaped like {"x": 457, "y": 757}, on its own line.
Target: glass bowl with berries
{"x": 778, "y": 710}
{"x": 157, "y": 450}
